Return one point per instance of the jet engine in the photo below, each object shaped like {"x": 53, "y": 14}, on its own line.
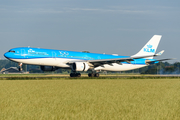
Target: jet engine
{"x": 48, "y": 68}
{"x": 80, "y": 66}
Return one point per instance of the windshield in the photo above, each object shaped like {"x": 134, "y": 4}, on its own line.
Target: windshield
{"x": 11, "y": 51}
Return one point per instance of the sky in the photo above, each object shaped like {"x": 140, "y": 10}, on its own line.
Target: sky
{"x": 99, "y": 26}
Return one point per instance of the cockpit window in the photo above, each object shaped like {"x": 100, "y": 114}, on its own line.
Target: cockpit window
{"x": 12, "y": 51}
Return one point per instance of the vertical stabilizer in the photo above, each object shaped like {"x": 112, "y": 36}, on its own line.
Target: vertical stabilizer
{"x": 150, "y": 48}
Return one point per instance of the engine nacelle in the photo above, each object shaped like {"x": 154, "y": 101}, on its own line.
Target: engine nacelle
{"x": 80, "y": 66}
{"x": 48, "y": 68}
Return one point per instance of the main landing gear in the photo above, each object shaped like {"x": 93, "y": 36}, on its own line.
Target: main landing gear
{"x": 74, "y": 74}
{"x": 93, "y": 74}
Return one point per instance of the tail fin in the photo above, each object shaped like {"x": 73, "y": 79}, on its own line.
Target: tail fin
{"x": 150, "y": 47}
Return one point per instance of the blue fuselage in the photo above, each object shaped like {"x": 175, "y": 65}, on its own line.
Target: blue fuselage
{"x": 50, "y": 57}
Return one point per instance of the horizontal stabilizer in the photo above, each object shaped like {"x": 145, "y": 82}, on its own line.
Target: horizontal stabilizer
{"x": 160, "y": 53}
{"x": 166, "y": 59}
{"x": 160, "y": 60}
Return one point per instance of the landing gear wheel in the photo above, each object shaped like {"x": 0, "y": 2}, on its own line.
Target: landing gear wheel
{"x": 89, "y": 75}
{"x": 96, "y": 75}
{"x": 72, "y": 75}
{"x": 75, "y": 75}
{"x": 93, "y": 74}
{"x": 20, "y": 68}
{"x": 78, "y": 74}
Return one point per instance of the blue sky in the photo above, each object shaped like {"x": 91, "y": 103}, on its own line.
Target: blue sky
{"x": 99, "y": 26}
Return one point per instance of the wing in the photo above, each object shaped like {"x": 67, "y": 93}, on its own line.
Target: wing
{"x": 101, "y": 62}
{"x": 97, "y": 63}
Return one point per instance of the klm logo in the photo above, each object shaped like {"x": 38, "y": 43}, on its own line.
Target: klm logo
{"x": 149, "y": 49}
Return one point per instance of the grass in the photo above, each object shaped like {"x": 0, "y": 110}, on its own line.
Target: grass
{"x": 90, "y": 99}
{"x": 45, "y": 76}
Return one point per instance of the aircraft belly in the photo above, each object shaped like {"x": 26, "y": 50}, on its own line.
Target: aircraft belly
{"x": 117, "y": 67}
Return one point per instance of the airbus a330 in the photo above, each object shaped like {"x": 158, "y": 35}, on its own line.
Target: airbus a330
{"x": 51, "y": 60}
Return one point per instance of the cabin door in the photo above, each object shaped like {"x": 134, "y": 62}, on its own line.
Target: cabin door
{"x": 54, "y": 55}
{"x": 23, "y": 53}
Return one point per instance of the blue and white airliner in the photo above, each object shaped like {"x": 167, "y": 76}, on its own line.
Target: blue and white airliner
{"x": 50, "y": 59}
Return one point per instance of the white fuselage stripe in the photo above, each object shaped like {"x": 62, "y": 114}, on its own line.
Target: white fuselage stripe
{"x": 61, "y": 62}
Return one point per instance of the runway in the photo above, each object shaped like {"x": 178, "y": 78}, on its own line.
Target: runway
{"x": 48, "y": 77}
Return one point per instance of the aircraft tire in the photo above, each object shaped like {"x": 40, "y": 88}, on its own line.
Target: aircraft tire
{"x": 75, "y": 75}
{"x": 78, "y": 74}
{"x": 20, "y": 68}
{"x": 72, "y": 75}
{"x": 96, "y": 75}
{"x": 91, "y": 74}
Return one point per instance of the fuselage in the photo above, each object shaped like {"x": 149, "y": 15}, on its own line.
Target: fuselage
{"x": 60, "y": 58}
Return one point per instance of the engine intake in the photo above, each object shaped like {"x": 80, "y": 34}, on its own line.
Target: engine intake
{"x": 80, "y": 66}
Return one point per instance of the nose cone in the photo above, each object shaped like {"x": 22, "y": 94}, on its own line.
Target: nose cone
{"x": 7, "y": 55}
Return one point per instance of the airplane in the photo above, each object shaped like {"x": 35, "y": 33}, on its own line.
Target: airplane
{"x": 51, "y": 60}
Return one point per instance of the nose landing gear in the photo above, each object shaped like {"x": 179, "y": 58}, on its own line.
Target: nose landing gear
{"x": 20, "y": 66}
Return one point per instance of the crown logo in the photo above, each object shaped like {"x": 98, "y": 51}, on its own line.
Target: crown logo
{"x": 149, "y": 46}
{"x": 30, "y": 50}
